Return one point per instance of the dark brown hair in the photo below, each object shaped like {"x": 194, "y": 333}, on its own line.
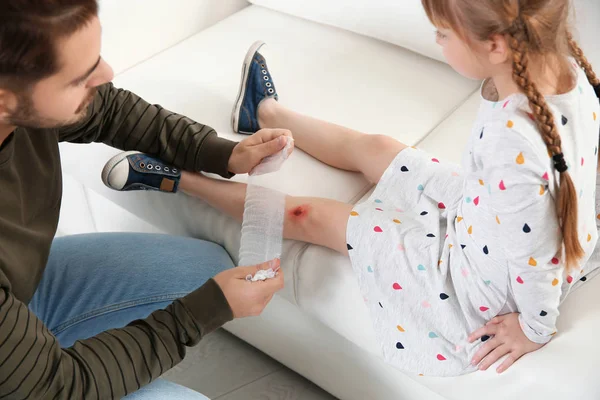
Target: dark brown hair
{"x": 29, "y": 31}
{"x": 536, "y": 31}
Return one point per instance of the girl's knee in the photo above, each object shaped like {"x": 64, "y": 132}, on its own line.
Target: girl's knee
{"x": 318, "y": 221}
{"x": 301, "y": 220}
{"x": 379, "y": 151}
{"x": 378, "y": 143}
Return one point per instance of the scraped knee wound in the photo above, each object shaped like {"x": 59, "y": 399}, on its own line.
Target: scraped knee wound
{"x": 299, "y": 213}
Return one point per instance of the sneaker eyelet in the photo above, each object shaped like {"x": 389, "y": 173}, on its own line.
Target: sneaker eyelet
{"x": 264, "y": 71}
{"x": 174, "y": 170}
{"x": 268, "y": 84}
{"x": 158, "y": 168}
{"x": 266, "y": 78}
{"x": 150, "y": 166}
{"x": 166, "y": 169}
{"x": 142, "y": 165}
{"x": 271, "y": 91}
{"x": 263, "y": 66}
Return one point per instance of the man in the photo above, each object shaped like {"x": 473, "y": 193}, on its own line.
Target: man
{"x": 99, "y": 316}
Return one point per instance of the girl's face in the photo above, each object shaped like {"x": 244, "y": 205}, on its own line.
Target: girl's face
{"x": 469, "y": 60}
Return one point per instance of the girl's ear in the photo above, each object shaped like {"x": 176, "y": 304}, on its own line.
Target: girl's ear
{"x": 498, "y": 49}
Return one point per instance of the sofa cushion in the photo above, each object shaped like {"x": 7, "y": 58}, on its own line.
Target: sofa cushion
{"x": 135, "y": 30}
{"x": 403, "y": 23}
{"x": 394, "y": 91}
{"x": 85, "y": 211}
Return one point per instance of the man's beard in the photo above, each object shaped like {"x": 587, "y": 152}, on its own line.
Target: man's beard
{"x": 26, "y": 116}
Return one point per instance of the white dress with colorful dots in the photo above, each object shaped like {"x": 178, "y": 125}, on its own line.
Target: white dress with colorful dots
{"x": 440, "y": 249}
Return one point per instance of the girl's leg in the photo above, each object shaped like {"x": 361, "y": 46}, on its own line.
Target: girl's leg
{"x": 308, "y": 219}
{"x": 333, "y": 144}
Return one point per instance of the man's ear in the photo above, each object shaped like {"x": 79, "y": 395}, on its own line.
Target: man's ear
{"x": 498, "y": 49}
{"x": 8, "y": 102}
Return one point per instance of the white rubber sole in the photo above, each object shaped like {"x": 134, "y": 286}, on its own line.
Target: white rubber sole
{"x": 112, "y": 163}
{"x": 237, "y": 106}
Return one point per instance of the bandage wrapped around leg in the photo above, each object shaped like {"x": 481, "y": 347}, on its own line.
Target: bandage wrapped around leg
{"x": 262, "y": 226}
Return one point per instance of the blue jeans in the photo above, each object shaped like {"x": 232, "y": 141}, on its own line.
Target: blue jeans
{"x": 102, "y": 281}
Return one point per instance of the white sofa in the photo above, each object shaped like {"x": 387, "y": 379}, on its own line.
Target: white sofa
{"x": 348, "y": 62}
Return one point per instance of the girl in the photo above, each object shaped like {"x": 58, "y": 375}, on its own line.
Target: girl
{"x": 440, "y": 250}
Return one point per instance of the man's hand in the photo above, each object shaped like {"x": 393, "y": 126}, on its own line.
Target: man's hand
{"x": 507, "y": 337}
{"x": 248, "y": 153}
{"x": 249, "y": 299}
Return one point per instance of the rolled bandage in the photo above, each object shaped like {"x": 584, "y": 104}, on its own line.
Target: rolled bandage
{"x": 262, "y": 226}
{"x": 274, "y": 162}
{"x": 262, "y": 275}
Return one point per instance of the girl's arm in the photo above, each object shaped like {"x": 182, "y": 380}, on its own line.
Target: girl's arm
{"x": 517, "y": 220}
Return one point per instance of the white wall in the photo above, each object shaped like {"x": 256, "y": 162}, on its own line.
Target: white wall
{"x": 587, "y": 29}
{"x": 135, "y": 30}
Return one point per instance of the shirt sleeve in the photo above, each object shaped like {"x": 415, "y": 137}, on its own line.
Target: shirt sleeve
{"x": 109, "y": 365}
{"x": 121, "y": 119}
{"x": 521, "y": 219}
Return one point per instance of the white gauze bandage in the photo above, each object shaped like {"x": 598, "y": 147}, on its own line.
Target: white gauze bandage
{"x": 264, "y": 209}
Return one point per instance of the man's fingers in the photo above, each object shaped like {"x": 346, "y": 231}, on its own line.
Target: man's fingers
{"x": 242, "y": 272}
{"x": 274, "y": 285}
{"x": 267, "y": 135}
{"x": 273, "y": 264}
{"x": 287, "y": 132}
{"x": 269, "y": 148}
{"x": 268, "y": 300}
{"x": 267, "y": 287}
{"x": 488, "y": 330}
{"x": 292, "y": 147}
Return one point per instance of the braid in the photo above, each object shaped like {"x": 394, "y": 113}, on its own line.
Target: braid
{"x": 566, "y": 204}
{"x": 582, "y": 60}
{"x": 543, "y": 116}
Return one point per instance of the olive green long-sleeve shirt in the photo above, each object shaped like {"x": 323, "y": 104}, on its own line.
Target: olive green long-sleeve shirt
{"x": 117, "y": 362}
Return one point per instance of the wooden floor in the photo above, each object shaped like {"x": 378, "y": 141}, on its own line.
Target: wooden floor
{"x": 225, "y": 368}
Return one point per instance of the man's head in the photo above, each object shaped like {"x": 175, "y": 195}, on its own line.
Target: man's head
{"x": 50, "y": 61}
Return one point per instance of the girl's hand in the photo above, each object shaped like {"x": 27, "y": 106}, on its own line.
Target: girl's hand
{"x": 248, "y": 153}
{"x": 507, "y": 337}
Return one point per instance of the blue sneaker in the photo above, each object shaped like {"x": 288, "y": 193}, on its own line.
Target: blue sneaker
{"x": 256, "y": 86}
{"x": 137, "y": 171}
